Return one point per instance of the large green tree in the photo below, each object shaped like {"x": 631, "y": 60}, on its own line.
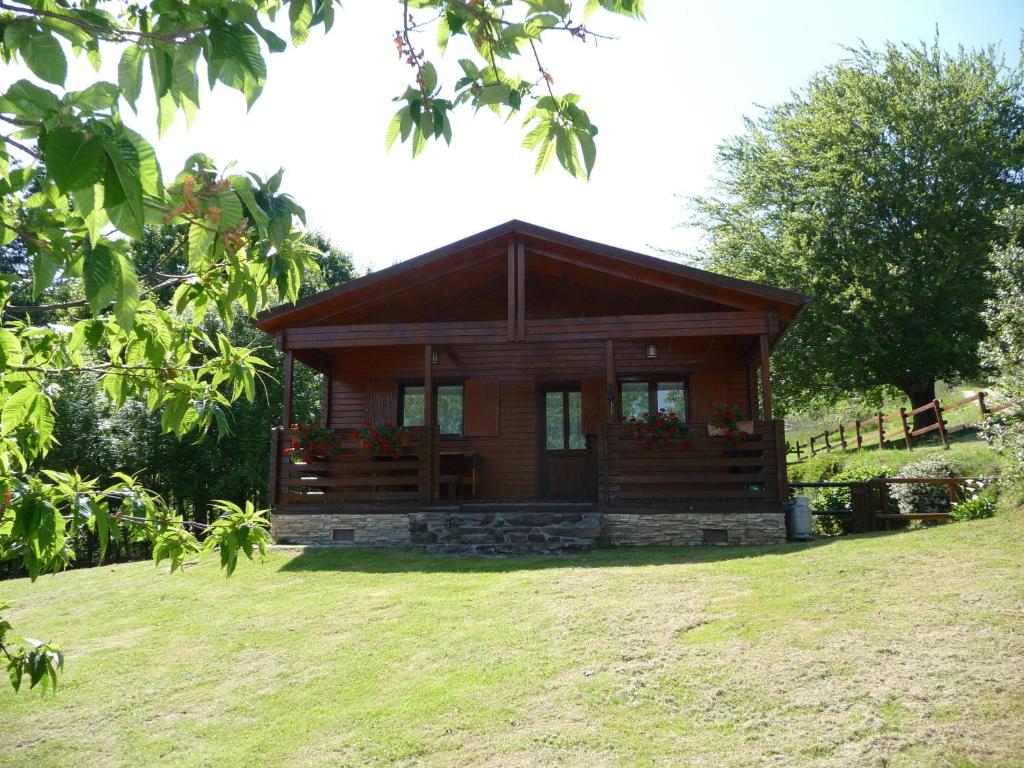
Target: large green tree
{"x": 875, "y": 189}
{"x": 78, "y": 188}
{"x": 1003, "y": 351}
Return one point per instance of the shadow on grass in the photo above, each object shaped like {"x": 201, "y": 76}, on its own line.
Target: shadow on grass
{"x": 407, "y": 560}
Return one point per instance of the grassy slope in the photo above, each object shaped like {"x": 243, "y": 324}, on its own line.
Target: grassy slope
{"x": 892, "y": 649}
{"x": 970, "y": 455}
{"x": 800, "y": 426}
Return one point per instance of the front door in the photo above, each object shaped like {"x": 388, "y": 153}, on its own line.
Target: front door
{"x": 566, "y": 471}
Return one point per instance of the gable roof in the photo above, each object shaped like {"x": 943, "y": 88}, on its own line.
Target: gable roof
{"x": 333, "y": 300}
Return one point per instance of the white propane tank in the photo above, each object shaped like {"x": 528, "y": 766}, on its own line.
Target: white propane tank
{"x": 798, "y": 519}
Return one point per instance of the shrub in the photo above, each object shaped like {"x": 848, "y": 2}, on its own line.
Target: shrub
{"x": 977, "y": 508}
{"x": 836, "y": 499}
{"x": 913, "y": 498}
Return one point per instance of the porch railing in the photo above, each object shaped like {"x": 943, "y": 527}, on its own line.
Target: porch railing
{"x": 354, "y": 475}
{"x": 707, "y": 468}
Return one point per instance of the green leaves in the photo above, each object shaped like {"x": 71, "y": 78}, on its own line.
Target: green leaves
{"x": 72, "y": 158}
{"x": 562, "y": 129}
{"x": 45, "y": 57}
{"x": 129, "y": 73}
{"x": 100, "y": 270}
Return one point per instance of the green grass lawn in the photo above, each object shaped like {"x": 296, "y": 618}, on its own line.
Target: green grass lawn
{"x": 892, "y": 649}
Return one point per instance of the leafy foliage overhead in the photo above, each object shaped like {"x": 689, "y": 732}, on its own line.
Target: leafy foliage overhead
{"x": 79, "y": 188}
{"x": 877, "y": 190}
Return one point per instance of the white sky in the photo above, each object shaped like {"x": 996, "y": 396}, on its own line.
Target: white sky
{"x": 663, "y": 95}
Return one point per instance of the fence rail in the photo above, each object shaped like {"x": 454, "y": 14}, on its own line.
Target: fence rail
{"x": 872, "y": 508}
{"x": 872, "y": 431}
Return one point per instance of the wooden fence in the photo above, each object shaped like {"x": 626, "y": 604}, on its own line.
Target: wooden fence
{"x": 872, "y": 508}
{"x": 873, "y": 431}
{"x": 708, "y": 468}
{"x": 354, "y": 474}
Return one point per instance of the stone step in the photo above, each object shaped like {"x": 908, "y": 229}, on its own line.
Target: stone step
{"x": 507, "y": 529}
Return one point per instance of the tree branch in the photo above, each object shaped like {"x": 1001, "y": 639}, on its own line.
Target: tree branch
{"x": 117, "y": 34}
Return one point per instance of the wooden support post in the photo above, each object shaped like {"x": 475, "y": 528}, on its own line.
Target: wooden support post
{"x": 798, "y": 456}
{"x": 941, "y": 422}
{"x": 609, "y": 372}
{"x": 754, "y": 406}
{"x": 860, "y": 437}
{"x": 766, "y": 377}
{"x": 779, "y": 428}
{"x": 981, "y": 403}
{"x": 906, "y": 429}
{"x": 286, "y": 393}
{"x": 862, "y": 520}
{"x": 275, "y": 465}
{"x": 511, "y": 290}
{"x": 428, "y": 416}
{"x": 325, "y": 400}
{"x": 828, "y": 445}
{"x": 520, "y": 291}
{"x": 842, "y": 437}
{"x": 812, "y": 447}
{"x": 881, "y": 431}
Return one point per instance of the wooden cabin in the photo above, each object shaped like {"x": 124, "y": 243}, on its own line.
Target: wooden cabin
{"x": 512, "y": 360}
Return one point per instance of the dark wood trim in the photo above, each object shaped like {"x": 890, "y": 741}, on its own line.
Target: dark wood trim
{"x": 626, "y": 262}
{"x": 560, "y": 329}
{"x": 741, "y": 323}
{"x": 428, "y": 416}
{"x": 708, "y": 290}
{"x": 275, "y": 465}
{"x": 612, "y": 393}
{"x": 325, "y": 399}
{"x": 755, "y": 409}
{"x": 520, "y": 291}
{"x": 511, "y": 310}
{"x": 286, "y": 390}
{"x": 397, "y": 334}
{"x": 766, "y": 377}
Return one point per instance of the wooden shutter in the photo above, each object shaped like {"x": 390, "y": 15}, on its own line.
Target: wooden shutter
{"x": 382, "y": 402}
{"x": 707, "y": 390}
{"x": 480, "y": 399}
{"x": 595, "y": 404}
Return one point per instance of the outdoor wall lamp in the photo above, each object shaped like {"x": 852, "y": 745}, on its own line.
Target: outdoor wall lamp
{"x": 651, "y": 350}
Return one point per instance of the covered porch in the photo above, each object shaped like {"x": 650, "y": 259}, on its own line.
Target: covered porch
{"x": 503, "y": 452}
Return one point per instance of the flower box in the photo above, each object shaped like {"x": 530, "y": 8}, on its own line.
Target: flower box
{"x": 716, "y": 430}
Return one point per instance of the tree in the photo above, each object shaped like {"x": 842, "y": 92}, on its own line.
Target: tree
{"x": 78, "y": 189}
{"x": 875, "y": 189}
{"x": 1003, "y": 351}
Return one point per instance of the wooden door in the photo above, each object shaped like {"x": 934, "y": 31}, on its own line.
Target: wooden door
{"x": 566, "y": 466}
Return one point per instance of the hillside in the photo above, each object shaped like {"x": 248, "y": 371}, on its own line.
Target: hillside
{"x": 895, "y": 649}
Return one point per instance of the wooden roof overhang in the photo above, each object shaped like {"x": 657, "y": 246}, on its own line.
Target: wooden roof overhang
{"x": 351, "y": 314}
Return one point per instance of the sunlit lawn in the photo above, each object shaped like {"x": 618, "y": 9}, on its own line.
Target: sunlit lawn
{"x": 895, "y": 649}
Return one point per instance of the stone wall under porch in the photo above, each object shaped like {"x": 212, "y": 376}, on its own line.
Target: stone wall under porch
{"x": 508, "y": 529}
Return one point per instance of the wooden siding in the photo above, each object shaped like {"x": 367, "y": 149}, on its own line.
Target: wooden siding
{"x": 708, "y": 468}
{"x": 481, "y": 407}
{"x": 365, "y": 386}
{"x": 595, "y": 404}
{"x": 379, "y": 405}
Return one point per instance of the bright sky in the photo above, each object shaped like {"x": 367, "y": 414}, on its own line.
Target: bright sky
{"x": 663, "y": 94}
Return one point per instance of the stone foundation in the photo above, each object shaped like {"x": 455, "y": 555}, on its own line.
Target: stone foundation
{"x": 672, "y": 529}
{"x": 511, "y": 531}
{"x": 504, "y": 532}
{"x": 339, "y": 530}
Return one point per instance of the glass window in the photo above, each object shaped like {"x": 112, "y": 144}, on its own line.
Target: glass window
{"x": 554, "y": 427}
{"x": 412, "y": 406}
{"x": 577, "y": 442}
{"x": 635, "y": 398}
{"x": 449, "y": 409}
{"x": 672, "y": 397}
